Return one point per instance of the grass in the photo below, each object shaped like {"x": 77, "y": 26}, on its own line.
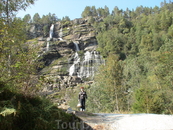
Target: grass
{"x": 68, "y": 37}
{"x": 32, "y": 40}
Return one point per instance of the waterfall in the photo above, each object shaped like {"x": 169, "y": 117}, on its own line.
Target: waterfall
{"x": 76, "y": 60}
{"x": 60, "y": 33}
{"x": 47, "y": 46}
{"x": 92, "y": 60}
{"x": 51, "y": 31}
{"x": 86, "y": 66}
{"x": 77, "y": 47}
{"x": 50, "y": 37}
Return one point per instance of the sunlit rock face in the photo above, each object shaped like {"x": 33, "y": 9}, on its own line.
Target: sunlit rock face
{"x": 86, "y": 65}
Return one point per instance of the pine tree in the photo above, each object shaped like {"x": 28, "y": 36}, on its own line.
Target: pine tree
{"x": 36, "y": 18}
{"x": 27, "y": 18}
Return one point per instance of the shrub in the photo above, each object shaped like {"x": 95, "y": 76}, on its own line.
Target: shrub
{"x": 30, "y": 112}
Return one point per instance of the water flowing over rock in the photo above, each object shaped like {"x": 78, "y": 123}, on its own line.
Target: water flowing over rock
{"x": 50, "y": 37}
{"x": 85, "y": 66}
{"x": 60, "y": 33}
{"x": 51, "y": 31}
{"x": 47, "y": 46}
{"x": 69, "y": 56}
{"x": 77, "y": 47}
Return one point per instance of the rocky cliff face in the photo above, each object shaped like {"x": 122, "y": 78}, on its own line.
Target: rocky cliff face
{"x": 69, "y": 55}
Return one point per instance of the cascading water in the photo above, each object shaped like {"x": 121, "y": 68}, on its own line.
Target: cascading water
{"x": 73, "y": 68}
{"x": 92, "y": 60}
{"x": 76, "y": 61}
{"x": 50, "y": 36}
{"x": 51, "y": 31}
{"x": 86, "y": 66}
{"x": 77, "y": 47}
{"x": 60, "y": 33}
{"x": 47, "y": 46}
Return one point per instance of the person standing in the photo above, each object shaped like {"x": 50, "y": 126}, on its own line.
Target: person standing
{"x": 82, "y": 98}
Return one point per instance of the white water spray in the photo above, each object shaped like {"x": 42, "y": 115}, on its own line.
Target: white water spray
{"x": 76, "y": 60}
{"x": 50, "y": 36}
{"x": 47, "y": 46}
{"x": 51, "y": 31}
{"x": 85, "y": 66}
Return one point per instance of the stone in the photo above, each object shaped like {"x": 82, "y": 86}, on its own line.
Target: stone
{"x": 60, "y": 55}
{"x": 69, "y": 110}
{"x": 64, "y": 106}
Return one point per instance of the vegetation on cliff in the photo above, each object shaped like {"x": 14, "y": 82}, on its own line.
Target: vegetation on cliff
{"x": 20, "y": 106}
{"x": 136, "y": 44}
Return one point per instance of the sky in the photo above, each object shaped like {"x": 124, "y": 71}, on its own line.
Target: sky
{"x": 74, "y": 8}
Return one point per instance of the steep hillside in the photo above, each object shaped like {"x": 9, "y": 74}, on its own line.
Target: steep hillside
{"x": 69, "y": 56}
{"x": 137, "y": 47}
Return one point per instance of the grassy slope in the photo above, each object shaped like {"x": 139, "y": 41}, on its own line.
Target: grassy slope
{"x": 24, "y": 112}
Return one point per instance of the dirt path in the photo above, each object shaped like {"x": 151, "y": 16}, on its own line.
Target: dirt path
{"x": 103, "y": 121}
{"x": 99, "y": 121}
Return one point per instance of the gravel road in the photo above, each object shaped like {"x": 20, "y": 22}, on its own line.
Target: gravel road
{"x": 104, "y": 121}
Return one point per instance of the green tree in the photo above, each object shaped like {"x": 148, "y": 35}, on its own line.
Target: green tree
{"x": 139, "y": 10}
{"x": 106, "y": 9}
{"x": 49, "y": 19}
{"x": 36, "y": 18}
{"x": 91, "y": 20}
{"x": 109, "y": 20}
{"x": 148, "y": 100}
{"x": 87, "y": 12}
{"x": 94, "y": 11}
{"x": 170, "y": 31}
{"x": 18, "y": 59}
{"x": 156, "y": 9}
{"x": 110, "y": 42}
{"x": 8, "y": 8}
{"x": 27, "y": 18}
{"x": 53, "y": 18}
{"x": 142, "y": 38}
{"x": 117, "y": 12}
{"x": 45, "y": 19}
{"x": 166, "y": 20}
{"x": 101, "y": 12}
{"x": 46, "y": 30}
{"x": 66, "y": 18}
{"x": 110, "y": 93}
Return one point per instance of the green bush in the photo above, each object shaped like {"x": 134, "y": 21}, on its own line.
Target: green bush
{"x": 26, "y": 112}
{"x": 149, "y": 100}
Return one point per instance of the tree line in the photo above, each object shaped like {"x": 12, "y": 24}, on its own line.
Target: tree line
{"x": 45, "y": 19}
{"x": 136, "y": 44}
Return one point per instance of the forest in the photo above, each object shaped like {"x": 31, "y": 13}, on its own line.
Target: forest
{"x": 137, "y": 46}
{"x": 137, "y": 77}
